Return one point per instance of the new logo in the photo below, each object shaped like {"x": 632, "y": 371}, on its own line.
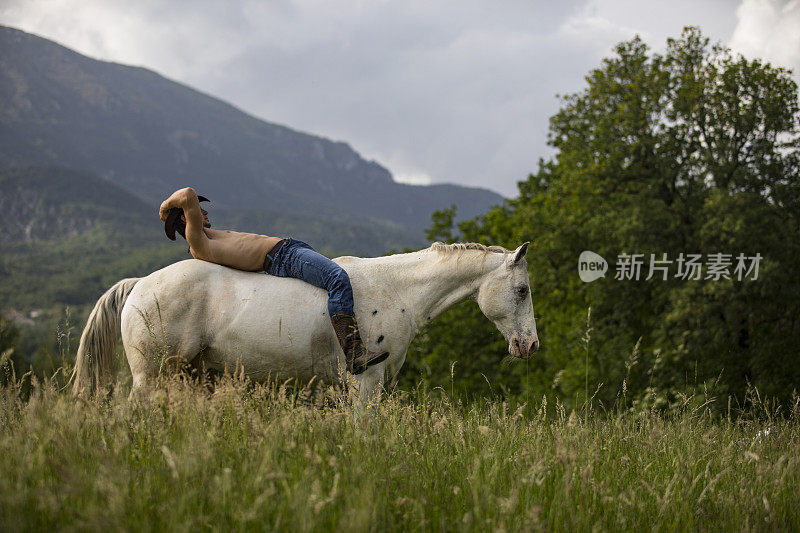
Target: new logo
{"x": 591, "y": 266}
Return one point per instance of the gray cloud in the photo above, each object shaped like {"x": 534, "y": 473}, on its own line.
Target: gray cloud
{"x": 447, "y": 91}
{"x": 769, "y": 29}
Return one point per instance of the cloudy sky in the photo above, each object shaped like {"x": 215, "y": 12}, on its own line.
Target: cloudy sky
{"x": 437, "y": 91}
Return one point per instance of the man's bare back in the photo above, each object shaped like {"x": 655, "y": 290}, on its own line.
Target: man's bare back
{"x": 243, "y": 251}
{"x": 294, "y": 259}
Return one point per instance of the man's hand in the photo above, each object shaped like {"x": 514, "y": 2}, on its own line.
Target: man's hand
{"x": 163, "y": 211}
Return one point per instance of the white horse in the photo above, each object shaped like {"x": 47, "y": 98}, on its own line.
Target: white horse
{"x": 278, "y": 328}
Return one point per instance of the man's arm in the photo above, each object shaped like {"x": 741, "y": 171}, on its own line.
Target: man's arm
{"x": 186, "y": 199}
{"x": 179, "y": 198}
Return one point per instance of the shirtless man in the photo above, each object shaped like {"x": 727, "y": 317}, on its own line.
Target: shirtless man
{"x": 276, "y": 256}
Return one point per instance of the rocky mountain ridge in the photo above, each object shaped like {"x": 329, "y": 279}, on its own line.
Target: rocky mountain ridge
{"x": 151, "y": 135}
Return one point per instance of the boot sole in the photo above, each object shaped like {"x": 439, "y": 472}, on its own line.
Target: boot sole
{"x": 381, "y": 358}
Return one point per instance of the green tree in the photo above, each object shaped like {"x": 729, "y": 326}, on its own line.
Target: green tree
{"x": 691, "y": 151}
{"x": 442, "y": 225}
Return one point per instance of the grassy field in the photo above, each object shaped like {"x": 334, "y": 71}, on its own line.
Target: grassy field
{"x": 258, "y": 458}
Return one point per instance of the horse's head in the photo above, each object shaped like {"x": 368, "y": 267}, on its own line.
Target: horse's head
{"x": 504, "y": 297}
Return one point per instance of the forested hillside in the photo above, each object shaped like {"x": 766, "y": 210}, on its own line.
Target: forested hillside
{"x": 66, "y": 236}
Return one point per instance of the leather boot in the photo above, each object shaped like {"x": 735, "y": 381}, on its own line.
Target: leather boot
{"x": 356, "y": 354}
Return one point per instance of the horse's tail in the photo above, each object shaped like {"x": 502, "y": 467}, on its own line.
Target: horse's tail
{"x": 94, "y": 359}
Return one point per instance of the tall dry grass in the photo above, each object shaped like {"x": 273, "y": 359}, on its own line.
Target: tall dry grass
{"x": 255, "y": 457}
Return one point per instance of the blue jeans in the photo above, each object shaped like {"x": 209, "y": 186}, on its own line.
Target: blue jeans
{"x": 297, "y": 259}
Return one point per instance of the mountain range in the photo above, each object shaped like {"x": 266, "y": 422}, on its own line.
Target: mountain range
{"x": 150, "y": 135}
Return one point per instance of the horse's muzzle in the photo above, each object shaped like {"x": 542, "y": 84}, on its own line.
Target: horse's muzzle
{"x": 523, "y": 347}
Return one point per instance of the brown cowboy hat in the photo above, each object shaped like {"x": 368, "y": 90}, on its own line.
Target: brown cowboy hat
{"x": 175, "y": 215}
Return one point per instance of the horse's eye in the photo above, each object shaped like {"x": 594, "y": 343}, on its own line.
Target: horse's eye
{"x": 522, "y": 291}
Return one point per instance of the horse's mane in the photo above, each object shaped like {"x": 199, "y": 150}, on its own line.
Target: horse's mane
{"x": 459, "y": 247}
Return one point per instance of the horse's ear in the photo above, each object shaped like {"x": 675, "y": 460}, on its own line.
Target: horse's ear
{"x": 520, "y": 252}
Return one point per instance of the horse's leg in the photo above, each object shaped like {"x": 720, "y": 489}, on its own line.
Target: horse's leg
{"x": 370, "y": 384}
{"x": 144, "y": 370}
{"x": 393, "y": 370}
{"x": 153, "y": 346}
{"x": 142, "y": 387}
